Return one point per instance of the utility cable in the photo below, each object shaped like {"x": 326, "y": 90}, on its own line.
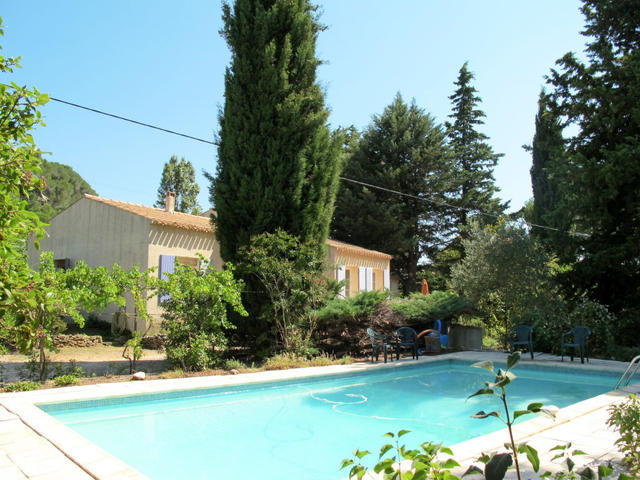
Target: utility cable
{"x": 396, "y": 192}
{"x": 132, "y": 121}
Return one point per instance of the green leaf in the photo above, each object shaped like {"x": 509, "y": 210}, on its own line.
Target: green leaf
{"x": 472, "y": 470}
{"x": 578, "y": 452}
{"x": 570, "y": 464}
{"x": 389, "y": 434}
{"x": 483, "y": 414}
{"x": 535, "y": 407}
{"x": 361, "y": 454}
{"x": 604, "y": 471}
{"x": 485, "y": 365}
{"x": 446, "y": 450}
{"x": 451, "y": 463}
{"x": 532, "y": 456}
{"x": 519, "y": 413}
{"x": 587, "y": 474}
{"x": 384, "y": 449}
{"x": 497, "y": 466}
{"x": 346, "y": 462}
{"x": 513, "y": 359}
{"x": 403, "y": 432}
{"x": 482, "y": 391}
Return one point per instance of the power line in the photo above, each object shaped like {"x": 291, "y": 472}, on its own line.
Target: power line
{"x": 396, "y": 192}
{"x": 132, "y": 121}
{"x": 455, "y": 207}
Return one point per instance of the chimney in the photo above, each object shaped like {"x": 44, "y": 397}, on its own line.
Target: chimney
{"x": 170, "y": 202}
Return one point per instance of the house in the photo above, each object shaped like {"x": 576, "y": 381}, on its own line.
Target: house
{"x": 101, "y": 231}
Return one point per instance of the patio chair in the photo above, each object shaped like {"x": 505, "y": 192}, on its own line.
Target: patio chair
{"x": 576, "y": 338}
{"x": 406, "y": 337}
{"x": 379, "y": 343}
{"x": 521, "y": 335}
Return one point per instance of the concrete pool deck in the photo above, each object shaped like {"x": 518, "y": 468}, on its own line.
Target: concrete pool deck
{"x": 33, "y": 445}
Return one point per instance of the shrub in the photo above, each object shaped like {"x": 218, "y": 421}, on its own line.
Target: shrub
{"x": 360, "y": 305}
{"x": 291, "y": 273}
{"x": 598, "y": 318}
{"x": 232, "y": 364}
{"x": 626, "y": 419}
{"x": 64, "y": 380}
{"x": 21, "y": 386}
{"x": 420, "y": 308}
{"x": 195, "y": 314}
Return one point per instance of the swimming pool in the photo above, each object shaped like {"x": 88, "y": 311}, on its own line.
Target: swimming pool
{"x": 303, "y": 428}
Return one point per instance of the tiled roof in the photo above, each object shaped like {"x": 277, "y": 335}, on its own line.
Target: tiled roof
{"x": 159, "y": 216}
{"x": 354, "y": 250}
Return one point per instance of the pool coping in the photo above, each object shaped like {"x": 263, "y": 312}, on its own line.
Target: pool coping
{"x": 99, "y": 464}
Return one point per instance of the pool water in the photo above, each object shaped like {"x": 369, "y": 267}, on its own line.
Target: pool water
{"x": 304, "y": 428}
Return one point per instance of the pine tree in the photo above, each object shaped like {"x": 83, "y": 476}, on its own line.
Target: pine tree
{"x": 278, "y": 163}
{"x": 600, "y": 100}
{"x": 475, "y": 159}
{"x": 402, "y": 150}
{"x": 179, "y": 178}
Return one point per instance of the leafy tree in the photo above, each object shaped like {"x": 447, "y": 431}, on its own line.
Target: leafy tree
{"x": 504, "y": 272}
{"x": 278, "y": 163}
{"x": 402, "y": 150}
{"x": 63, "y": 186}
{"x": 179, "y": 178}
{"x": 195, "y": 314}
{"x": 292, "y": 275}
{"x": 474, "y": 157}
{"x": 599, "y": 175}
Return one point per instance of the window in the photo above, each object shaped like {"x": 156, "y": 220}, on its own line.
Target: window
{"x": 62, "y": 263}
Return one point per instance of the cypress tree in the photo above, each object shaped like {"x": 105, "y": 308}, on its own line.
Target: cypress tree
{"x": 278, "y": 163}
{"x": 474, "y": 157}
{"x": 547, "y": 149}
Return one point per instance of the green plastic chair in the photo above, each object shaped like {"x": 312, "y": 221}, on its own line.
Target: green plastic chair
{"x": 576, "y": 338}
{"x": 379, "y": 343}
{"x": 406, "y": 337}
{"x": 521, "y": 335}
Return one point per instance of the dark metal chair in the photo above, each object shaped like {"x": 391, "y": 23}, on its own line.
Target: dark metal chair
{"x": 576, "y": 338}
{"x": 379, "y": 343}
{"x": 521, "y": 335}
{"x": 406, "y": 337}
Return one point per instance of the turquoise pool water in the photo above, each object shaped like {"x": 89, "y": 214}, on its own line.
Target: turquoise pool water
{"x": 303, "y": 429}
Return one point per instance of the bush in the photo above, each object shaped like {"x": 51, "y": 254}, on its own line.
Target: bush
{"x": 195, "y": 314}
{"x": 64, "y": 380}
{"x": 598, "y": 318}
{"x": 626, "y": 419}
{"x": 423, "y": 309}
{"x": 233, "y": 364}
{"x": 360, "y": 305}
{"x": 21, "y": 386}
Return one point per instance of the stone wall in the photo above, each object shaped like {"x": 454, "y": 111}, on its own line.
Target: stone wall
{"x": 77, "y": 340}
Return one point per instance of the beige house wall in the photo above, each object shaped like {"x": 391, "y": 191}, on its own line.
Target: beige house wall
{"x": 98, "y": 234}
{"x": 163, "y": 240}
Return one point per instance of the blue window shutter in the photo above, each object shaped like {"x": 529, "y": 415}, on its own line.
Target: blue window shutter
{"x": 167, "y": 265}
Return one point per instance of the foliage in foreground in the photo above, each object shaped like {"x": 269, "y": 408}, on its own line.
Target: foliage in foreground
{"x": 195, "y": 314}
{"x": 626, "y": 419}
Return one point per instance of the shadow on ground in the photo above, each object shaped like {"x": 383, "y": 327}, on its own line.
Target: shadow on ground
{"x": 15, "y": 371}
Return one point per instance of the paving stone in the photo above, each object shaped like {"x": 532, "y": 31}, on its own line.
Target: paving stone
{"x": 11, "y": 473}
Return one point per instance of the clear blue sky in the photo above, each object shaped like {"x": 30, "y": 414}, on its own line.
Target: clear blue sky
{"x": 163, "y": 62}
